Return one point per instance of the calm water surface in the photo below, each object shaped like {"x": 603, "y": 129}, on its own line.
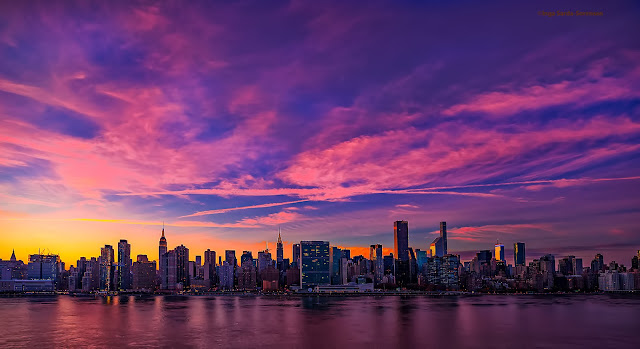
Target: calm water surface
{"x": 314, "y": 322}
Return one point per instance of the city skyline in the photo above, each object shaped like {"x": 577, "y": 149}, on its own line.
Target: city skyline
{"x": 229, "y": 120}
{"x": 513, "y": 258}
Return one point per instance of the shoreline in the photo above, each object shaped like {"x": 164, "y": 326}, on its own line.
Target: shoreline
{"x": 311, "y": 294}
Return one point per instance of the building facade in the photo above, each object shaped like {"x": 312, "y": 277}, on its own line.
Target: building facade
{"x": 314, "y": 263}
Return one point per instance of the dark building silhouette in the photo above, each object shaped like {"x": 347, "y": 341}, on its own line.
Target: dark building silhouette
{"x": 182, "y": 266}
{"x": 401, "y": 240}
{"x": 296, "y": 255}
{"x": 210, "y": 266}
{"x": 519, "y": 257}
{"x": 144, "y": 274}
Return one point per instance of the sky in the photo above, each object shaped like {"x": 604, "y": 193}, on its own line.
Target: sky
{"x": 329, "y": 120}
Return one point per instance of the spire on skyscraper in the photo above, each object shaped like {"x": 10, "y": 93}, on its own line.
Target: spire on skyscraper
{"x": 162, "y": 228}
{"x": 279, "y": 238}
{"x": 13, "y": 255}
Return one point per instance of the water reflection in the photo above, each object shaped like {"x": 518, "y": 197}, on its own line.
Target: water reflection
{"x": 239, "y": 321}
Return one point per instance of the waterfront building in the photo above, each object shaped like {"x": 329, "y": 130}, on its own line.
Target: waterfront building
{"x": 335, "y": 254}
{"x": 43, "y": 267}
{"x": 609, "y": 281}
{"x": 270, "y": 278}
{"x": 519, "y": 257}
{"x": 314, "y": 263}
{"x": 91, "y": 276}
{"x": 124, "y": 265}
{"x": 106, "y": 268}
{"x": 292, "y": 276}
{"x": 35, "y": 285}
{"x": 13, "y": 269}
{"x": 626, "y": 281}
{"x": 144, "y": 274}
{"x": 442, "y": 271}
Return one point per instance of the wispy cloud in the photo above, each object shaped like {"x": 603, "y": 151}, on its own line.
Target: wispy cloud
{"x": 224, "y": 210}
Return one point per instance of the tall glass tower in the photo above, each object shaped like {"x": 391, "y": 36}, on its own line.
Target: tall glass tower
{"x": 314, "y": 263}
{"x": 401, "y": 240}
{"x": 124, "y": 265}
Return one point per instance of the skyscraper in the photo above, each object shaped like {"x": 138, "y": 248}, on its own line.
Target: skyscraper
{"x": 335, "y": 254}
{"x": 162, "y": 245}
{"x": 162, "y": 260}
{"x": 210, "y": 257}
{"x": 182, "y": 266}
{"x": 279, "y": 250}
{"x": 210, "y": 266}
{"x": 314, "y": 263}
{"x": 443, "y": 235}
{"x": 401, "y": 240}
{"x": 124, "y": 265}
{"x": 598, "y": 263}
{"x": 144, "y": 274}
{"x": 519, "y": 254}
{"x": 438, "y": 247}
{"x": 499, "y": 252}
{"x": 247, "y": 257}
{"x": 230, "y": 257}
{"x": 106, "y": 268}
{"x": 225, "y": 272}
{"x": 171, "y": 270}
{"x": 296, "y": 255}
{"x": 264, "y": 260}
{"x": 377, "y": 261}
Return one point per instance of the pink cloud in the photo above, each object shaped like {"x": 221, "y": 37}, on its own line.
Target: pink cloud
{"x": 591, "y": 89}
{"x": 224, "y": 210}
{"x": 450, "y": 147}
{"x": 407, "y": 206}
{"x": 274, "y": 218}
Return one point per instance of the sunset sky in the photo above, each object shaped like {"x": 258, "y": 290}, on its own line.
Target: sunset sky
{"x": 329, "y": 119}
